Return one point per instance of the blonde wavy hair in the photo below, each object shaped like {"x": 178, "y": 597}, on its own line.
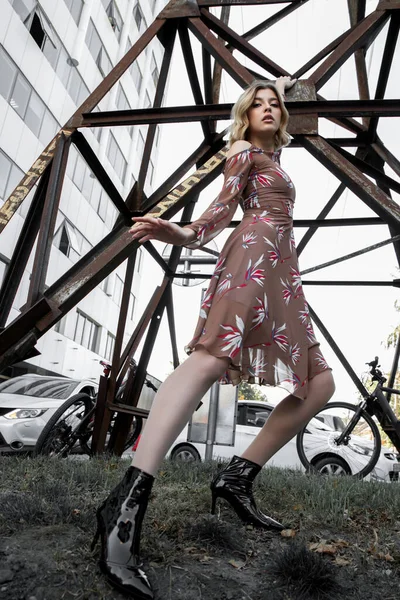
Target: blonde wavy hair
{"x": 240, "y": 125}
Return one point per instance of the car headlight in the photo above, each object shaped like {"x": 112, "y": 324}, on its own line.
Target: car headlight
{"x": 25, "y": 413}
{"x": 365, "y": 450}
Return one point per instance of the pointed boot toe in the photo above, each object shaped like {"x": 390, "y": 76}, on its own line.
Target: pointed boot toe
{"x": 131, "y": 580}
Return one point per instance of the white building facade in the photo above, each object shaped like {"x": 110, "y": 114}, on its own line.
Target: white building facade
{"x": 53, "y": 54}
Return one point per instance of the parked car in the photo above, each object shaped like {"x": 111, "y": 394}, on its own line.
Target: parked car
{"x": 250, "y": 418}
{"x": 27, "y": 403}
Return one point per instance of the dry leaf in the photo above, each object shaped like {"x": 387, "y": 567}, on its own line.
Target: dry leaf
{"x": 322, "y": 548}
{"x": 298, "y": 507}
{"x": 205, "y": 559}
{"x": 288, "y": 533}
{"x": 341, "y": 562}
{"x": 238, "y": 564}
{"x": 341, "y": 543}
{"x": 388, "y": 557}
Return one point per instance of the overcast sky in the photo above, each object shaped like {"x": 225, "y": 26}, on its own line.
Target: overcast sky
{"x": 358, "y": 318}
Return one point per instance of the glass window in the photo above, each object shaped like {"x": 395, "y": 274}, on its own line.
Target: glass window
{"x": 155, "y": 74}
{"x": 75, "y": 8}
{"x": 153, "y": 5}
{"x": 63, "y": 68}
{"x": 35, "y": 113}
{"x": 116, "y": 157}
{"x": 16, "y": 174}
{"x": 122, "y": 101}
{"x": 3, "y": 268}
{"x": 8, "y": 72}
{"x": 102, "y": 207}
{"x": 147, "y": 100}
{"x": 24, "y": 8}
{"x": 39, "y": 387}
{"x": 150, "y": 174}
{"x": 132, "y": 302}
{"x": 118, "y": 289}
{"x": 20, "y": 95}
{"x": 5, "y": 168}
{"x": 86, "y": 332}
{"x": 97, "y": 50}
{"x": 136, "y": 76}
{"x": 114, "y": 16}
{"x": 110, "y": 343}
{"x": 139, "y": 18}
{"x": 140, "y": 145}
{"x": 48, "y": 129}
{"x": 139, "y": 259}
{"x": 79, "y": 173}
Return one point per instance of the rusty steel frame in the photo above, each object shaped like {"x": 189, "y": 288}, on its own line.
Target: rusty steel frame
{"x": 186, "y": 20}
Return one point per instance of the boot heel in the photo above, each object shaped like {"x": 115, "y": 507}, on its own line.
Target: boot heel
{"x": 213, "y": 503}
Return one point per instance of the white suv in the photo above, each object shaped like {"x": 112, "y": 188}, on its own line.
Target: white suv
{"x": 251, "y": 417}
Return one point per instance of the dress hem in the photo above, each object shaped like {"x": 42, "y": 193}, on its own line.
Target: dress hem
{"x": 242, "y": 378}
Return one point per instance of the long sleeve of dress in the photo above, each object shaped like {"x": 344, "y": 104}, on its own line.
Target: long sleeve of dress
{"x": 220, "y": 212}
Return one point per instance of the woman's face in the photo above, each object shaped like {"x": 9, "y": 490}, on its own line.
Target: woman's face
{"x": 264, "y": 114}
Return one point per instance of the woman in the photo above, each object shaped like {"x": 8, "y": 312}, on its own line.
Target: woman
{"x": 254, "y": 326}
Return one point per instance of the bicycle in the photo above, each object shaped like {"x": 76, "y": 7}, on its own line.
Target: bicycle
{"x": 70, "y": 429}
{"x": 344, "y": 438}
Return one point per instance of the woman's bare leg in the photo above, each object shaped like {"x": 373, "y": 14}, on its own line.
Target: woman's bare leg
{"x": 173, "y": 406}
{"x": 288, "y": 417}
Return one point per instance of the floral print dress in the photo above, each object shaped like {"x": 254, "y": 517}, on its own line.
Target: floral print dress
{"x": 254, "y": 310}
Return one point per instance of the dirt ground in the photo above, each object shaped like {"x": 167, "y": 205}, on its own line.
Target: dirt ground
{"x": 190, "y": 555}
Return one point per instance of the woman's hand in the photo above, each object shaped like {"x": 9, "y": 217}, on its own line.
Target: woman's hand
{"x": 284, "y": 83}
{"x": 152, "y": 228}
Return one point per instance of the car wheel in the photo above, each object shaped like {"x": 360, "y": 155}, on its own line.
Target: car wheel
{"x": 185, "y": 453}
{"x": 332, "y": 465}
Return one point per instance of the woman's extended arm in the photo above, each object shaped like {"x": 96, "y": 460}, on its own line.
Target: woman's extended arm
{"x": 220, "y": 212}
{"x": 217, "y": 216}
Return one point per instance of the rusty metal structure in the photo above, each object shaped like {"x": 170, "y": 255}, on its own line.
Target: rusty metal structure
{"x": 363, "y": 173}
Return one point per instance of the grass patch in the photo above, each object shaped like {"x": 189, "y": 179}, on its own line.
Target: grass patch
{"x": 343, "y": 539}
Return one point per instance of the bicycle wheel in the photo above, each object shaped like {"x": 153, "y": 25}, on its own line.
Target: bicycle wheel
{"x": 341, "y": 431}
{"x": 61, "y": 433}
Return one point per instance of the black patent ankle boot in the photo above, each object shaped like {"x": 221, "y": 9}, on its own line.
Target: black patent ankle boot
{"x": 119, "y": 523}
{"x": 234, "y": 484}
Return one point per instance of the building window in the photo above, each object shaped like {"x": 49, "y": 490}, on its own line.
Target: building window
{"x": 75, "y": 8}
{"x": 114, "y": 17}
{"x": 157, "y": 136}
{"x": 10, "y": 175}
{"x": 18, "y": 92}
{"x": 118, "y": 289}
{"x": 155, "y": 74}
{"x": 139, "y": 18}
{"x": 86, "y": 331}
{"x": 3, "y": 269}
{"x": 110, "y": 343}
{"x": 97, "y": 50}
{"x": 153, "y": 5}
{"x": 70, "y": 241}
{"x": 139, "y": 259}
{"x": 147, "y": 100}
{"x": 122, "y": 103}
{"x": 137, "y": 76}
{"x": 150, "y": 174}
{"x": 132, "y": 303}
{"x": 116, "y": 157}
{"x": 140, "y": 145}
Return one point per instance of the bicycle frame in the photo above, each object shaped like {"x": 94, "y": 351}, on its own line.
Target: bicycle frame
{"x": 378, "y": 405}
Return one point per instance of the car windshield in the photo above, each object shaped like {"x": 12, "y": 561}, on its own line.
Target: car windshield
{"x": 38, "y": 387}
